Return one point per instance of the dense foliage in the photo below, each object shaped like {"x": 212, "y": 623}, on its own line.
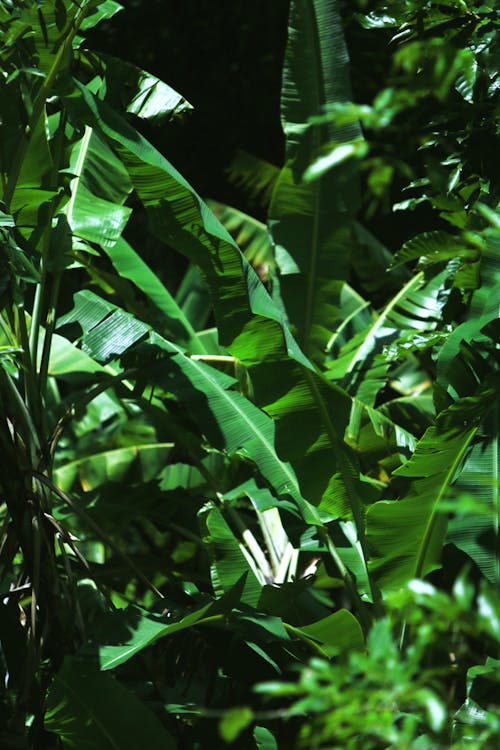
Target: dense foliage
{"x": 258, "y": 507}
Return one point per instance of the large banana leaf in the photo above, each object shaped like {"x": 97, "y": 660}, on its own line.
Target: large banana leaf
{"x": 99, "y": 188}
{"x": 415, "y": 311}
{"x": 88, "y": 710}
{"x": 229, "y": 420}
{"x": 130, "y": 89}
{"x": 406, "y": 536}
{"x": 96, "y": 213}
{"x": 179, "y": 217}
{"x": 311, "y": 222}
{"x": 475, "y": 531}
{"x": 247, "y": 320}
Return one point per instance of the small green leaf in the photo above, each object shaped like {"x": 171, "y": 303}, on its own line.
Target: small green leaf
{"x": 234, "y": 722}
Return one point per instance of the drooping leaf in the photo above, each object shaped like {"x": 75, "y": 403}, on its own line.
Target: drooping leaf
{"x": 87, "y": 709}
{"x": 130, "y": 265}
{"x": 108, "y": 330}
{"x": 133, "y": 90}
{"x": 337, "y": 633}
{"x": 406, "y": 536}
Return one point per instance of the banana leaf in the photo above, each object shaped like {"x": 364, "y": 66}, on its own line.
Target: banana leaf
{"x": 406, "y": 535}
{"x": 248, "y": 322}
{"x": 250, "y": 235}
{"x": 475, "y": 531}
{"x": 230, "y": 421}
{"x": 88, "y": 709}
{"x": 128, "y": 88}
{"x": 311, "y": 223}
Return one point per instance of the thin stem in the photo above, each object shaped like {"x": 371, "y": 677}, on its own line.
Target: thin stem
{"x": 30, "y": 436}
{"x": 41, "y": 292}
{"x": 49, "y": 332}
{"x": 31, "y": 393}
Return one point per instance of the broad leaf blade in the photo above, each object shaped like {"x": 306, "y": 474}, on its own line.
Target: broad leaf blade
{"x": 406, "y": 536}
{"x": 311, "y": 222}
{"x": 89, "y": 710}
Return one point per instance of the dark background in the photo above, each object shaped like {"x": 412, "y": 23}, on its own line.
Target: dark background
{"x": 226, "y": 58}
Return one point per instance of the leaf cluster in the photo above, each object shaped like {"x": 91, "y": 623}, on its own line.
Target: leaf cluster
{"x": 203, "y": 486}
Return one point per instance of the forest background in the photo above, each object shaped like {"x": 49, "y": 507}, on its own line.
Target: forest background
{"x": 249, "y": 465}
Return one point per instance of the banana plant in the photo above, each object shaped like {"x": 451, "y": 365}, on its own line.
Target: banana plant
{"x": 253, "y": 458}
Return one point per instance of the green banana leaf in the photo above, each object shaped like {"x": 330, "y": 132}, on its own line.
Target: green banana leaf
{"x": 87, "y": 709}
{"x": 406, "y": 536}
{"x": 229, "y": 559}
{"x": 108, "y": 330}
{"x": 99, "y": 188}
{"x": 66, "y": 359}
{"x": 128, "y": 88}
{"x": 230, "y": 421}
{"x": 311, "y": 223}
{"x": 248, "y": 322}
{"x": 167, "y": 315}
{"x": 251, "y": 235}
{"x": 179, "y": 217}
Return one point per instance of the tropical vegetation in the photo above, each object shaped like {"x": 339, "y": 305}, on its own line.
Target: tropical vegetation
{"x": 257, "y": 508}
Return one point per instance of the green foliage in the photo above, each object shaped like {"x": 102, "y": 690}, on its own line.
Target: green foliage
{"x": 389, "y": 697}
{"x": 205, "y": 485}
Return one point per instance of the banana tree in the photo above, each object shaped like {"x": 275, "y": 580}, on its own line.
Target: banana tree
{"x": 246, "y": 456}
